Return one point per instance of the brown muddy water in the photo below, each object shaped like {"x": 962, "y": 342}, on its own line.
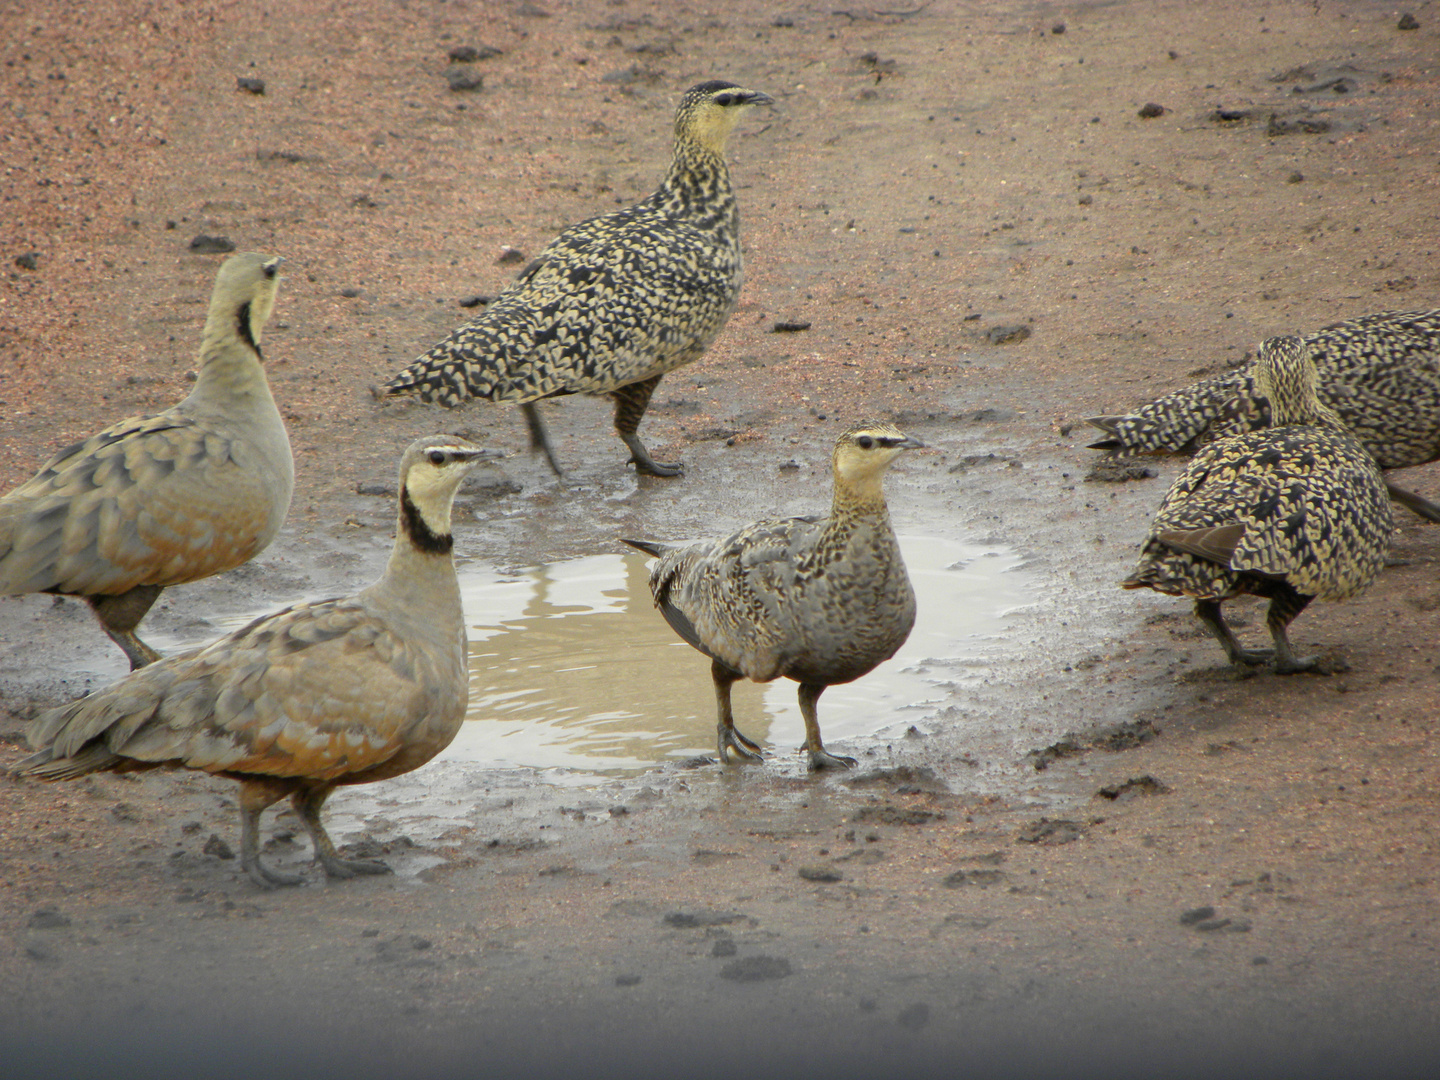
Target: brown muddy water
{"x": 571, "y": 667}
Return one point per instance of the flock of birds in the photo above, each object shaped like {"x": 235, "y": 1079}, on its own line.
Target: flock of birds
{"x": 1283, "y": 499}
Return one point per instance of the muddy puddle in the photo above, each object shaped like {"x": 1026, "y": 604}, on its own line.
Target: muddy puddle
{"x": 573, "y": 670}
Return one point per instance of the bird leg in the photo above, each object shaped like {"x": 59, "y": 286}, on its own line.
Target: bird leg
{"x": 820, "y": 758}
{"x": 630, "y": 403}
{"x": 1416, "y": 503}
{"x": 539, "y": 436}
{"x": 1208, "y": 612}
{"x": 121, "y": 613}
{"x": 1285, "y": 604}
{"x": 726, "y": 735}
{"x": 307, "y": 802}
{"x": 257, "y": 793}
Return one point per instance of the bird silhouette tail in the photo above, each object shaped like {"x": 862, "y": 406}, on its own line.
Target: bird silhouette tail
{"x": 649, "y": 547}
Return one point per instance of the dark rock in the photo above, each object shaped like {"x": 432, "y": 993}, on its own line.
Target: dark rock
{"x": 890, "y": 814}
{"x": 250, "y": 84}
{"x": 1119, "y": 470}
{"x": 211, "y": 245}
{"x": 509, "y": 256}
{"x": 468, "y": 54}
{"x": 1056, "y": 751}
{"x": 1407, "y": 22}
{"x": 47, "y": 919}
{"x": 1151, "y": 110}
{"x": 478, "y": 300}
{"x": 29, "y": 261}
{"x": 217, "y": 847}
{"x": 756, "y": 969}
{"x": 689, "y": 920}
{"x": 462, "y": 78}
{"x": 789, "y": 327}
{"x": 375, "y": 487}
{"x": 1058, "y": 28}
{"x": 627, "y": 980}
{"x": 1126, "y": 736}
{"x": 961, "y": 878}
{"x": 1007, "y": 335}
{"x": 349, "y": 294}
{"x": 1208, "y": 925}
{"x": 1229, "y": 116}
{"x": 1051, "y": 833}
{"x": 1276, "y": 127}
{"x": 914, "y": 1017}
{"x": 723, "y": 947}
{"x": 1133, "y": 788}
{"x": 825, "y": 874}
{"x": 1196, "y": 915}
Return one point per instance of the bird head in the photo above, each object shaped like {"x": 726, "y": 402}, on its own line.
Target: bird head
{"x": 431, "y": 471}
{"x": 245, "y": 292}
{"x": 863, "y": 453}
{"x": 709, "y": 112}
{"x": 1285, "y": 376}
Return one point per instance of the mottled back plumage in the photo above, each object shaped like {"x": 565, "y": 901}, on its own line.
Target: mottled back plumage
{"x": 157, "y": 501}
{"x": 818, "y": 600}
{"x": 613, "y": 303}
{"x": 1380, "y": 373}
{"x": 341, "y": 691}
{"x": 1292, "y": 512}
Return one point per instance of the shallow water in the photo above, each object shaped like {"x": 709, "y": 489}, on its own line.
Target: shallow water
{"x": 572, "y": 668}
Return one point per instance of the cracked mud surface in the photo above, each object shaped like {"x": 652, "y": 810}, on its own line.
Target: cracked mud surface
{"x": 988, "y": 244}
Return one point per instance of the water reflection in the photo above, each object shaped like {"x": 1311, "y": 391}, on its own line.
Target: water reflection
{"x": 572, "y": 667}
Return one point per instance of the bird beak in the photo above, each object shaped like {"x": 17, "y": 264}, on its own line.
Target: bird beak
{"x": 759, "y": 97}
{"x": 908, "y": 443}
{"x": 480, "y": 454}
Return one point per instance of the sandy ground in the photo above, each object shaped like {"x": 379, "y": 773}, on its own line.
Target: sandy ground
{"x": 929, "y": 177}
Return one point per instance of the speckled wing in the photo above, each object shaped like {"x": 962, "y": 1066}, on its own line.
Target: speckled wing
{"x": 1313, "y": 506}
{"x": 1182, "y": 421}
{"x": 1381, "y": 373}
{"x": 324, "y": 691}
{"x": 736, "y": 595}
{"x": 147, "y": 501}
{"x": 611, "y": 301}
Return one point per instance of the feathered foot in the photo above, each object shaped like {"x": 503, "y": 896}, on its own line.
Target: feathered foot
{"x": 1208, "y": 612}
{"x": 726, "y": 736}
{"x": 817, "y": 756}
{"x": 307, "y": 803}
{"x": 255, "y": 796}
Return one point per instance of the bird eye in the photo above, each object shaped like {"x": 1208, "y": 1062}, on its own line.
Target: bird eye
{"x": 437, "y": 457}
{"x": 269, "y": 270}
{"x": 865, "y": 442}
{"x": 725, "y": 99}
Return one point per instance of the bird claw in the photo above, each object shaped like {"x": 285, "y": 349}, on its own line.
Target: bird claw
{"x": 267, "y": 878}
{"x": 648, "y": 466}
{"x": 823, "y": 759}
{"x": 746, "y": 750}
{"x": 1251, "y": 657}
